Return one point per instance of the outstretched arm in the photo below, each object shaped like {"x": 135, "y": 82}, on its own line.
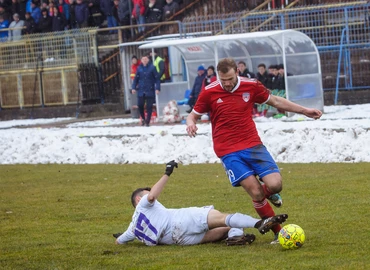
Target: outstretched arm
{"x": 191, "y": 122}
{"x": 158, "y": 187}
{"x": 286, "y": 105}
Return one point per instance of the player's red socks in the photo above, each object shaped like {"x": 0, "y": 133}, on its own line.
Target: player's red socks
{"x": 267, "y": 192}
{"x": 264, "y": 210}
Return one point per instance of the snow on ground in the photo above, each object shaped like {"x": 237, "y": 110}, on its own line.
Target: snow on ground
{"x": 341, "y": 135}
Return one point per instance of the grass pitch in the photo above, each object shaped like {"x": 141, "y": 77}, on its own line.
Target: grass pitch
{"x": 63, "y": 217}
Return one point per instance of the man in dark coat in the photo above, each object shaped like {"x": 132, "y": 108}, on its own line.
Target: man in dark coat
{"x": 147, "y": 84}
{"x": 106, "y": 7}
{"x": 197, "y": 87}
{"x": 124, "y": 18}
{"x": 30, "y": 24}
{"x": 170, "y": 9}
{"x": 45, "y": 23}
{"x": 153, "y": 13}
{"x": 243, "y": 70}
{"x": 262, "y": 74}
{"x": 59, "y": 22}
{"x": 82, "y": 14}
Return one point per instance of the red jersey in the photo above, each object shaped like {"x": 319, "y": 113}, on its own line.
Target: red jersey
{"x": 233, "y": 128}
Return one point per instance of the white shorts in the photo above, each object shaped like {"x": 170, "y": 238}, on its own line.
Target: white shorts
{"x": 189, "y": 225}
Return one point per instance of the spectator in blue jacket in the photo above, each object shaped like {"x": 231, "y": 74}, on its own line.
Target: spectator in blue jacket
{"x": 106, "y": 7}
{"x": 147, "y": 85}
{"x": 36, "y": 11}
{"x": 197, "y": 87}
{"x": 4, "y": 24}
{"x": 82, "y": 14}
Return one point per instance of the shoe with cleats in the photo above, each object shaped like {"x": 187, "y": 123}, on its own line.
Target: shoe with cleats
{"x": 276, "y": 200}
{"x": 116, "y": 235}
{"x": 240, "y": 240}
{"x": 268, "y": 223}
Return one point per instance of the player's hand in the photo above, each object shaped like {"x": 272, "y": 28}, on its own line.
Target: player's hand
{"x": 157, "y": 92}
{"x": 313, "y": 113}
{"x": 170, "y": 166}
{"x": 133, "y": 91}
{"x": 192, "y": 130}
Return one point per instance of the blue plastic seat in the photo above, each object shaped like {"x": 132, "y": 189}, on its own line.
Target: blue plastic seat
{"x": 186, "y": 98}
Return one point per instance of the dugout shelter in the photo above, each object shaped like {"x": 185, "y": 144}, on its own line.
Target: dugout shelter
{"x": 295, "y": 50}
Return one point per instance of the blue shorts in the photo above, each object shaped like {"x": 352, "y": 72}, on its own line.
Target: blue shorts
{"x": 251, "y": 161}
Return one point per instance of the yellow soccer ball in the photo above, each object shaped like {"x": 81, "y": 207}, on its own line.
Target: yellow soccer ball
{"x": 291, "y": 236}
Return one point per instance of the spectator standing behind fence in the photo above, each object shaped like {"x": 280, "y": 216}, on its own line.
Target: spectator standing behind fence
{"x": 197, "y": 87}
{"x": 35, "y": 11}
{"x": 5, "y": 13}
{"x": 115, "y": 11}
{"x": 45, "y": 23}
{"x": 82, "y": 14}
{"x": 22, "y": 8}
{"x": 63, "y": 8}
{"x": 138, "y": 13}
{"x": 30, "y": 24}
{"x": 15, "y": 8}
{"x": 15, "y": 28}
{"x": 59, "y": 22}
{"x": 96, "y": 16}
{"x": 51, "y": 8}
{"x": 170, "y": 9}
{"x": 6, "y": 5}
{"x": 4, "y": 24}
{"x": 72, "y": 14}
{"x": 124, "y": 18}
{"x": 262, "y": 74}
{"x": 154, "y": 12}
{"x": 106, "y": 7}
{"x": 147, "y": 84}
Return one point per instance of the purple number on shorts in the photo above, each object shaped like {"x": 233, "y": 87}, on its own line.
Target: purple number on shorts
{"x": 139, "y": 231}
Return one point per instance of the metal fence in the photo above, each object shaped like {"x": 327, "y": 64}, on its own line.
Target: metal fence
{"x": 340, "y": 31}
{"x": 41, "y": 69}
{"x": 50, "y": 69}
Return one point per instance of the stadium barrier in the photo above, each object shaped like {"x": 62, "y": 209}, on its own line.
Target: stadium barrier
{"x": 69, "y": 61}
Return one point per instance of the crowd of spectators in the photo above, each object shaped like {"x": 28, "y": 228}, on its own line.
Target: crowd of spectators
{"x": 19, "y": 17}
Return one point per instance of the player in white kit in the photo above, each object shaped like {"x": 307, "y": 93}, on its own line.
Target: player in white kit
{"x": 154, "y": 224}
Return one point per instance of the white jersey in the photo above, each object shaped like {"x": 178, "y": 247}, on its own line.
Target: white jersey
{"x": 153, "y": 224}
{"x": 150, "y": 223}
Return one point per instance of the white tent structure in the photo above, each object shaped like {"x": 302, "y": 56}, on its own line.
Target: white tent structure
{"x": 292, "y": 48}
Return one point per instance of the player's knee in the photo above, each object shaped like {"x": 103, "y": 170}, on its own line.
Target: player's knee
{"x": 276, "y": 187}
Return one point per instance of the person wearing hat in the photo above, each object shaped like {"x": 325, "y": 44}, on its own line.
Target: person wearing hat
{"x": 197, "y": 87}
{"x": 45, "y": 23}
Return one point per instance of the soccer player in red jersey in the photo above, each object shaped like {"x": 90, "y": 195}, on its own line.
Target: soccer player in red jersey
{"x": 230, "y": 100}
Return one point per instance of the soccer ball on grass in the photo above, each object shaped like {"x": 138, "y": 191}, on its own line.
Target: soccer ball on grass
{"x": 291, "y": 236}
